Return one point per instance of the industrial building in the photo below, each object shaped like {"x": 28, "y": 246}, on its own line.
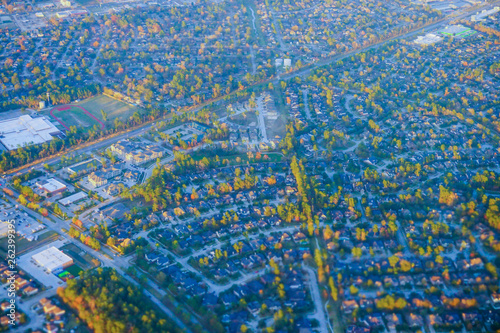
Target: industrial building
{"x": 25, "y": 131}
{"x": 52, "y": 259}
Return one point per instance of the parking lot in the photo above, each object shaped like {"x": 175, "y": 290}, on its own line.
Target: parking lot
{"x": 26, "y": 226}
{"x": 29, "y": 22}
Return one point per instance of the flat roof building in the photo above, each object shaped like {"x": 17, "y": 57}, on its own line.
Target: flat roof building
{"x": 51, "y": 186}
{"x": 428, "y": 39}
{"x": 53, "y": 259}
{"x": 73, "y": 198}
{"x": 25, "y": 131}
{"x": 457, "y": 30}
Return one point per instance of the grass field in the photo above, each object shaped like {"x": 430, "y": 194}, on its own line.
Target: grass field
{"x": 82, "y": 259}
{"x": 74, "y": 270}
{"x": 87, "y": 113}
{"x": 112, "y": 107}
{"x": 69, "y": 116}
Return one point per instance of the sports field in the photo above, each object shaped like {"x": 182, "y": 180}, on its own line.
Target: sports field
{"x": 112, "y": 107}
{"x": 74, "y": 115}
{"x": 88, "y": 113}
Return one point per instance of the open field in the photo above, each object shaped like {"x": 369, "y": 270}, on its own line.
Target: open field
{"x": 70, "y": 115}
{"x": 88, "y": 113}
{"x": 112, "y": 107}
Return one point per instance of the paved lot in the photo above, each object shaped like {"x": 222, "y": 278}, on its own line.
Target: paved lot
{"x": 26, "y": 226}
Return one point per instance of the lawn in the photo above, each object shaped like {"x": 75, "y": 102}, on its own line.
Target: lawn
{"x": 74, "y": 270}
{"x": 82, "y": 259}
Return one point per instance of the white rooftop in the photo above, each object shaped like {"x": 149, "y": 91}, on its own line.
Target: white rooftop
{"x": 52, "y": 258}
{"x": 72, "y": 198}
{"x": 428, "y": 39}
{"x": 25, "y": 131}
{"x": 52, "y": 185}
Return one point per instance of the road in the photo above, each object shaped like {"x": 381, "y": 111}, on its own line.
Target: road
{"x": 301, "y": 72}
{"x": 319, "y": 314}
{"x": 85, "y": 149}
{"x": 149, "y": 171}
{"x": 94, "y": 64}
{"x": 307, "y": 69}
{"x": 35, "y": 321}
{"x": 213, "y": 287}
{"x": 262, "y": 123}
{"x": 59, "y": 224}
{"x": 306, "y": 103}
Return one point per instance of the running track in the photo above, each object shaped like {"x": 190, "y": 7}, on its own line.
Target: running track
{"x": 67, "y": 107}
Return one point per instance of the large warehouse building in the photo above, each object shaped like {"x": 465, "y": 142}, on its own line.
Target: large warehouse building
{"x": 52, "y": 259}
{"x": 25, "y": 131}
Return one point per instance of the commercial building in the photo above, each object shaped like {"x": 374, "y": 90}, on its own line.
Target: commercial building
{"x": 428, "y": 39}
{"x": 457, "y": 31}
{"x": 115, "y": 212}
{"x": 52, "y": 259}
{"x": 121, "y": 148}
{"x": 134, "y": 154}
{"x": 51, "y": 186}
{"x": 25, "y": 131}
{"x": 73, "y": 198}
